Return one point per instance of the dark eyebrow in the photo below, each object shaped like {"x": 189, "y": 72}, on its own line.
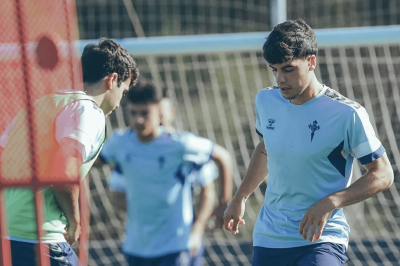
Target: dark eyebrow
{"x": 287, "y": 66}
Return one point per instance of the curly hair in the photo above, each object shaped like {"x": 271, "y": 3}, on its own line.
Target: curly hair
{"x": 289, "y": 40}
{"x": 99, "y": 61}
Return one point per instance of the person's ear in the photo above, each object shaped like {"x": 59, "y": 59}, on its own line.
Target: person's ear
{"x": 312, "y": 62}
{"x": 111, "y": 80}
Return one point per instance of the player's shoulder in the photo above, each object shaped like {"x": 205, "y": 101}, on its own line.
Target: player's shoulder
{"x": 269, "y": 93}
{"x": 181, "y": 136}
{"x": 86, "y": 108}
{"x": 186, "y": 138}
{"x": 121, "y": 132}
{"x": 119, "y": 135}
{"x": 343, "y": 103}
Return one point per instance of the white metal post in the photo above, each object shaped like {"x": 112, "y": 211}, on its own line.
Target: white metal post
{"x": 278, "y": 12}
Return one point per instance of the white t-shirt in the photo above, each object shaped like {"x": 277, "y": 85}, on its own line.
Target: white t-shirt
{"x": 89, "y": 129}
{"x": 87, "y": 132}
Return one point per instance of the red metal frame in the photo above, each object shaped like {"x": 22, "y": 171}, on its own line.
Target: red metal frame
{"x": 35, "y": 183}
{"x": 5, "y": 255}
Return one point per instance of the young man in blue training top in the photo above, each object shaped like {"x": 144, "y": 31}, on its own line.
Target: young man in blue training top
{"x": 310, "y": 137}
{"x": 159, "y": 168}
{"x": 116, "y": 181}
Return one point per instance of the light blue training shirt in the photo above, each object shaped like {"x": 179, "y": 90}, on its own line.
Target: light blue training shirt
{"x": 205, "y": 175}
{"x": 310, "y": 151}
{"x": 159, "y": 176}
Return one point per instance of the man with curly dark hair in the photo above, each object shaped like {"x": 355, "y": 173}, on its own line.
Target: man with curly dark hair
{"x": 310, "y": 135}
{"x": 70, "y": 132}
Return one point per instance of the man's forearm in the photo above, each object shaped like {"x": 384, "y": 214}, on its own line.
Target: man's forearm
{"x": 206, "y": 207}
{"x": 378, "y": 178}
{"x": 367, "y": 186}
{"x": 224, "y": 163}
{"x": 255, "y": 175}
{"x": 68, "y": 201}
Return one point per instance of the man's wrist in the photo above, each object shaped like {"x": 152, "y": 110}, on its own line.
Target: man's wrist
{"x": 239, "y": 198}
{"x": 199, "y": 227}
{"x": 332, "y": 201}
{"x": 74, "y": 221}
{"x": 224, "y": 200}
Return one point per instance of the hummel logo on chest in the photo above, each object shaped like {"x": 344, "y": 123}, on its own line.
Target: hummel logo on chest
{"x": 271, "y": 122}
{"x": 314, "y": 127}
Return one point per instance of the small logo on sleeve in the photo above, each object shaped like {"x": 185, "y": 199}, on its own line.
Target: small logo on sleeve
{"x": 271, "y": 122}
{"x": 314, "y": 127}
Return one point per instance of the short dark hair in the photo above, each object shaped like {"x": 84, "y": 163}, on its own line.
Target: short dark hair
{"x": 105, "y": 58}
{"x": 289, "y": 40}
{"x": 144, "y": 92}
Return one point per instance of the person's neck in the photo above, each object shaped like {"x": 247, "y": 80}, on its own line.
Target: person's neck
{"x": 149, "y": 137}
{"x": 313, "y": 89}
{"x": 169, "y": 129}
{"x": 95, "y": 91}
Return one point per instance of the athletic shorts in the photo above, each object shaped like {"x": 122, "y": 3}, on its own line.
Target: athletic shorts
{"x": 61, "y": 254}
{"x": 174, "y": 259}
{"x": 323, "y": 254}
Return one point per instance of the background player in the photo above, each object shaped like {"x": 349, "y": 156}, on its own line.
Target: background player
{"x": 72, "y": 125}
{"x": 310, "y": 137}
{"x": 158, "y": 167}
{"x": 117, "y": 180}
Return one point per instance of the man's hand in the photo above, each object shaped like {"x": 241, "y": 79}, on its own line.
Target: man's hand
{"x": 73, "y": 232}
{"x": 233, "y": 215}
{"x": 219, "y": 214}
{"x": 315, "y": 217}
{"x": 196, "y": 240}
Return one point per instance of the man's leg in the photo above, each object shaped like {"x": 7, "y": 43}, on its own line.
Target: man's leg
{"x": 61, "y": 254}
{"x": 22, "y": 253}
{"x": 274, "y": 256}
{"x": 324, "y": 254}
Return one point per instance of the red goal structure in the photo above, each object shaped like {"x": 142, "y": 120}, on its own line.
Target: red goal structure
{"x": 37, "y": 57}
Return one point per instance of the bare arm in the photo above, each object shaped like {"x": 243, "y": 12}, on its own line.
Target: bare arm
{"x": 223, "y": 160}
{"x": 205, "y": 211}
{"x": 255, "y": 175}
{"x": 118, "y": 199}
{"x": 379, "y": 177}
{"x": 68, "y": 160}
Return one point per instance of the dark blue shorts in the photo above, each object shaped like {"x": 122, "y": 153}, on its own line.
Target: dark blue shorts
{"x": 174, "y": 259}
{"x": 61, "y": 254}
{"x": 323, "y": 254}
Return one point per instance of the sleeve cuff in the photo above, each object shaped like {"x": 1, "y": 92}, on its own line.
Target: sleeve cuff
{"x": 259, "y": 133}
{"x": 369, "y": 158}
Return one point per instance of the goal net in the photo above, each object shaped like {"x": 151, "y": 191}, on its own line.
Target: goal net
{"x": 214, "y": 97}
